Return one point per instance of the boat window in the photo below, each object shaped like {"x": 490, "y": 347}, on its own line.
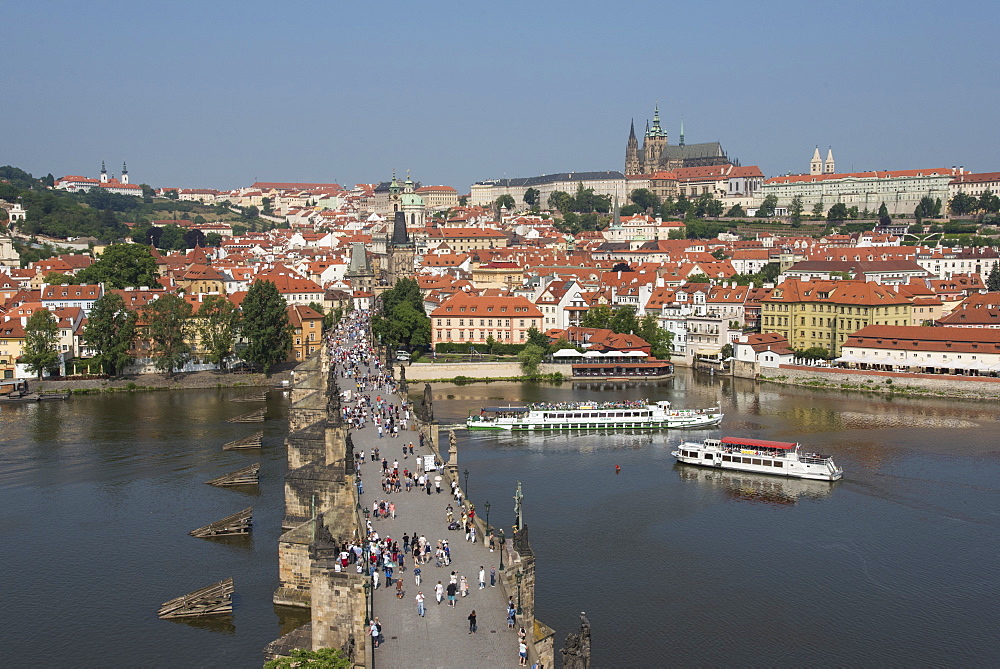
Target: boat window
{"x": 746, "y": 461}
{"x": 727, "y": 458}
{"x": 779, "y": 464}
{"x": 708, "y": 456}
{"x": 756, "y": 461}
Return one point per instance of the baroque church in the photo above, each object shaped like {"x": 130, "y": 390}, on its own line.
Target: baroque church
{"x": 657, "y": 155}
{"x": 394, "y": 249}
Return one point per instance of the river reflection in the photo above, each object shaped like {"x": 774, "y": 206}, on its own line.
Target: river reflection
{"x": 757, "y": 488}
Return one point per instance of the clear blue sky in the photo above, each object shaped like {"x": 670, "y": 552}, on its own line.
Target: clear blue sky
{"x": 217, "y": 94}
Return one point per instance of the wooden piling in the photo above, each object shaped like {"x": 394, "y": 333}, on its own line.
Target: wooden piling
{"x": 252, "y": 397}
{"x": 245, "y": 476}
{"x": 256, "y": 416}
{"x": 238, "y": 523}
{"x": 253, "y": 441}
{"x": 212, "y": 600}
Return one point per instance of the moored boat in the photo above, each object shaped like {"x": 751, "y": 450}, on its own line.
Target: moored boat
{"x": 639, "y": 415}
{"x": 779, "y": 458}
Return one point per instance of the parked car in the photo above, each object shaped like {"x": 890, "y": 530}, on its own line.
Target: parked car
{"x": 402, "y": 356}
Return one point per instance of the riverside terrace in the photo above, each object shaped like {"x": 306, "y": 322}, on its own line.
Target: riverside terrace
{"x": 323, "y": 508}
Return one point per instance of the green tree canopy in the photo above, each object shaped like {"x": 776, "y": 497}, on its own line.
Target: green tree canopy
{"x": 122, "y": 266}
{"x": 645, "y": 199}
{"x": 838, "y": 212}
{"x": 265, "y": 326}
{"x": 536, "y": 337}
{"x": 736, "y": 211}
{"x": 766, "y": 209}
{"x": 530, "y": 357}
{"x": 218, "y": 325}
{"x": 505, "y": 200}
{"x": 531, "y": 197}
{"x": 598, "y": 316}
{"x": 110, "y": 332}
{"x": 167, "y": 325}
{"x": 324, "y": 658}
{"x": 993, "y": 279}
{"x": 795, "y": 211}
{"x": 41, "y": 336}
{"x": 402, "y": 320}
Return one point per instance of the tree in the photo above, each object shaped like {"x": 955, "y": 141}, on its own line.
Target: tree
{"x": 505, "y": 200}
{"x": 993, "y": 280}
{"x": 110, "y": 333}
{"x": 147, "y": 193}
{"x": 838, "y": 212}
{"x": 530, "y": 357}
{"x": 736, "y": 211}
{"x": 924, "y": 208}
{"x": 463, "y": 200}
{"x": 598, "y": 316}
{"x": 681, "y": 207}
{"x": 817, "y": 210}
{"x": 962, "y": 204}
{"x": 719, "y": 254}
{"x": 49, "y": 181}
{"x": 623, "y": 321}
{"x": 766, "y": 209}
{"x": 659, "y": 339}
{"x": 531, "y": 197}
{"x": 57, "y": 279}
{"x": 560, "y": 200}
{"x": 714, "y": 208}
{"x": 265, "y": 326}
{"x": 698, "y": 278}
{"x": 265, "y": 205}
{"x": 219, "y": 323}
{"x": 171, "y": 194}
{"x": 536, "y": 337}
{"x": 645, "y": 199}
{"x": 193, "y": 238}
{"x": 122, "y": 266}
{"x": 324, "y": 658}
{"x": 795, "y": 211}
{"x": 167, "y": 326}
{"x": 621, "y": 267}
{"x": 41, "y": 333}
{"x": 213, "y": 239}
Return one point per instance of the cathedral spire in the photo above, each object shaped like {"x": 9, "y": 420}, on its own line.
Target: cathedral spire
{"x": 631, "y": 131}
{"x": 681, "y": 142}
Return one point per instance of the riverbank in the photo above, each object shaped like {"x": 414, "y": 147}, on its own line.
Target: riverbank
{"x": 152, "y": 382}
{"x": 886, "y": 383}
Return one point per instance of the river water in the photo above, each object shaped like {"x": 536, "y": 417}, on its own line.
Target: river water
{"x": 674, "y": 565}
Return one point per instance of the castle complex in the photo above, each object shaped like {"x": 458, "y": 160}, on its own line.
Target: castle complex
{"x": 656, "y": 155}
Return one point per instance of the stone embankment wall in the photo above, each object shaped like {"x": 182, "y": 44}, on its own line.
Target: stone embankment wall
{"x": 474, "y": 370}
{"x": 929, "y": 385}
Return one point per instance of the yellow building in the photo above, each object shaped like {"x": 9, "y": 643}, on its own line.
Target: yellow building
{"x": 498, "y": 274}
{"x": 307, "y": 332}
{"x": 11, "y": 346}
{"x": 822, "y": 314}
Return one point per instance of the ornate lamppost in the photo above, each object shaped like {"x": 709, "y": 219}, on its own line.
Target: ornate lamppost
{"x": 465, "y": 489}
{"x": 487, "y": 507}
{"x": 502, "y": 545}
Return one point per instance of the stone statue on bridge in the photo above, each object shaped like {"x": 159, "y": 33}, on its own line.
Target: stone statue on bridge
{"x": 576, "y": 654}
{"x": 518, "y": 497}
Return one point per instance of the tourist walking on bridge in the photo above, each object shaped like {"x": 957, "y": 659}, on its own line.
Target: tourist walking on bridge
{"x": 472, "y": 622}
{"x": 420, "y": 604}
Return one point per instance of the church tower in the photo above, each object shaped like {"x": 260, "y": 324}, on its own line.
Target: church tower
{"x": 828, "y": 164}
{"x": 412, "y": 205}
{"x": 816, "y": 164}
{"x": 653, "y": 144}
{"x": 124, "y": 173}
{"x": 632, "y": 163}
{"x": 104, "y": 173}
{"x": 680, "y": 141}
{"x": 394, "y": 194}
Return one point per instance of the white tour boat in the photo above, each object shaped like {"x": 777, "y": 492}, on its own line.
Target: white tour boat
{"x": 781, "y": 458}
{"x": 636, "y": 415}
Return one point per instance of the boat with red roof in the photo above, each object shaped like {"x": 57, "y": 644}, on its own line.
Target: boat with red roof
{"x": 780, "y": 458}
